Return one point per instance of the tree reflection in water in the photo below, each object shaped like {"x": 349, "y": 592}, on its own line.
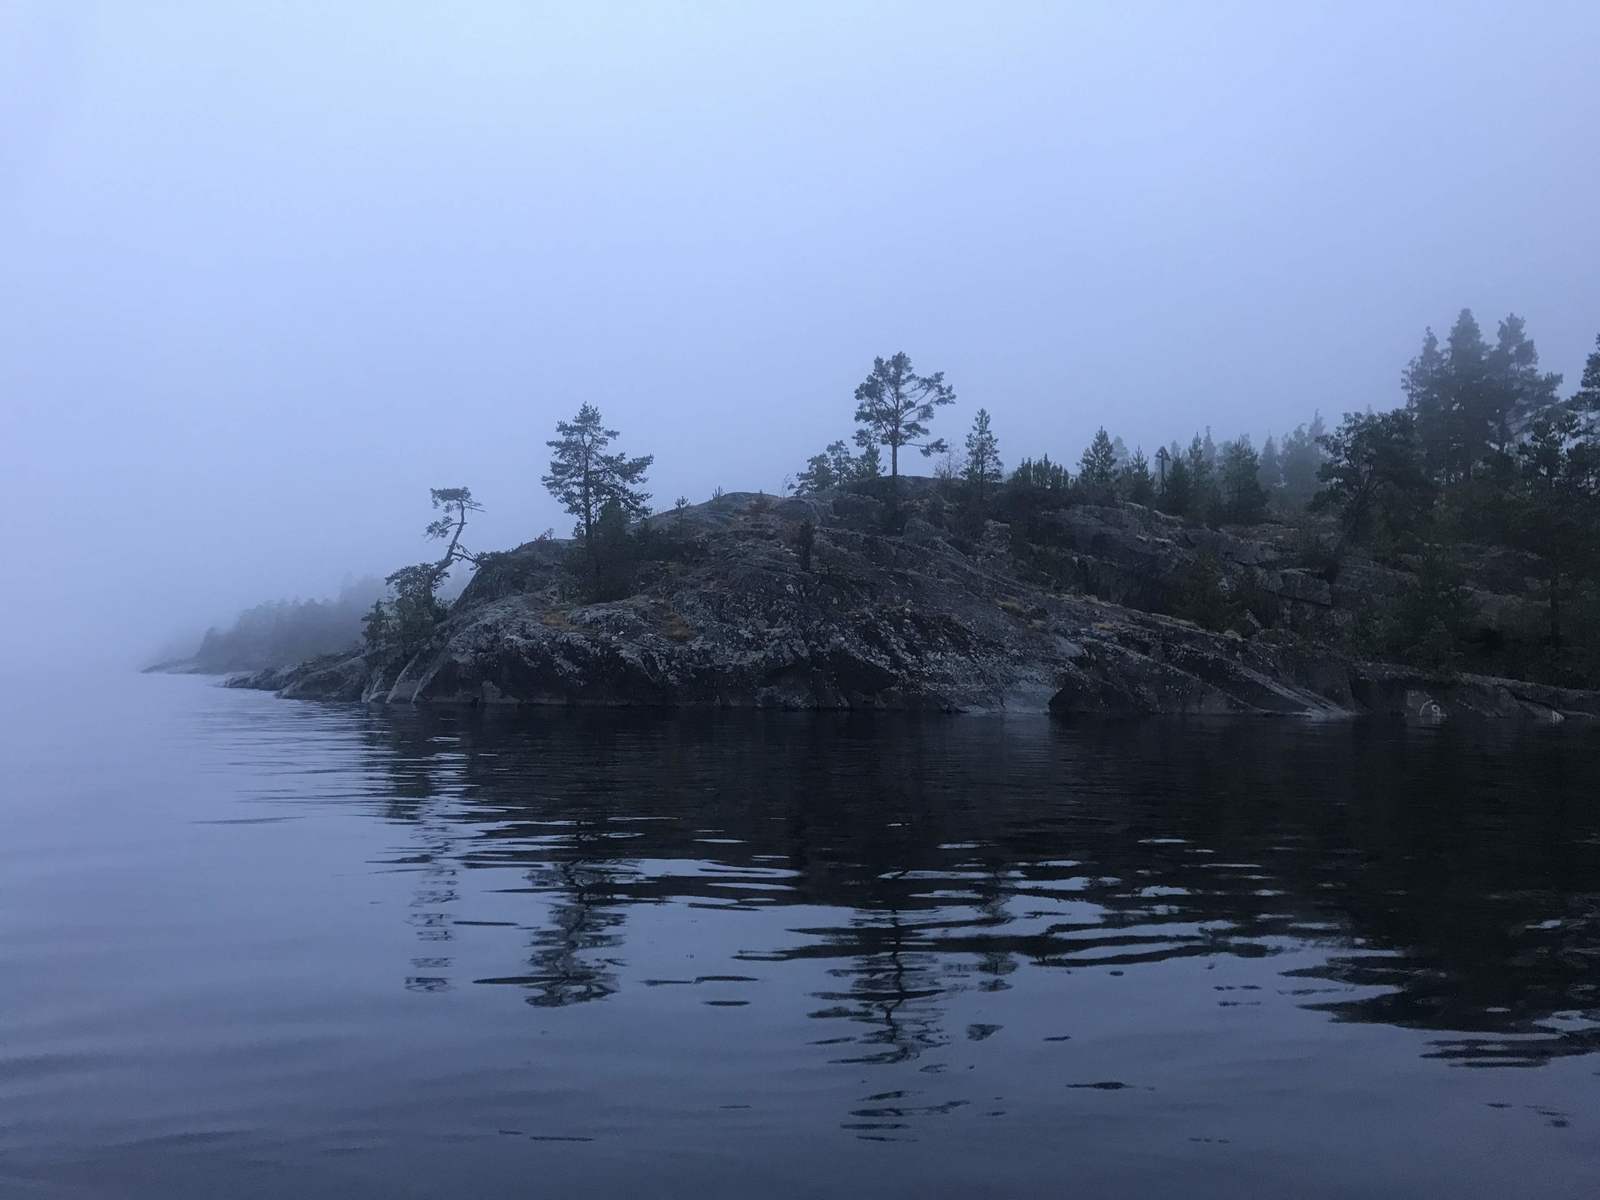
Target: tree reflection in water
{"x": 1448, "y": 877}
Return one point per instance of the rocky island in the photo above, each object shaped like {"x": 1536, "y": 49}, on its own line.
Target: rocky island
{"x": 1441, "y": 558}
{"x": 1081, "y": 611}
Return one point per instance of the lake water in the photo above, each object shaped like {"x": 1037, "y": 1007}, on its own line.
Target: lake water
{"x": 250, "y": 947}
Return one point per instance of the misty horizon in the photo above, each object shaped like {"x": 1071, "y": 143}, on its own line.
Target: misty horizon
{"x": 275, "y": 277}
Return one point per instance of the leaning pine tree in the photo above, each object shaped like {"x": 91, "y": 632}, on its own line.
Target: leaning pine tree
{"x": 585, "y": 478}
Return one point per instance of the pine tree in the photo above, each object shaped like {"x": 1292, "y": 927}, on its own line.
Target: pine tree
{"x": 1097, "y": 470}
{"x": 1135, "y": 481}
{"x": 614, "y": 553}
{"x": 1587, "y": 398}
{"x": 1177, "y": 491}
{"x": 1375, "y": 477}
{"x": 415, "y": 610}
{"x": 1467, "y": 400}
{"x": 456, "y": 503}
{"x": 983, "y": 456}
{"x": 1557, "y": 505}
{"x": 1270, "y": 475}
{"x": 1302, "y": 457}
{"x": 1042, "y": 474}
{"x": 1426, "y": 387}
{"x": 869, "y": 463}
{"x": 1517, "y": 390}
{"x": 834, "y": 467}
{"x": 818, "y": 476}
{"x": 1203, "y": 497}
{"x": 585, "y": 478}
{"x": 377, "y": 631}
{"x": 1244, "y": 500}
{"x": 894, "y": 405}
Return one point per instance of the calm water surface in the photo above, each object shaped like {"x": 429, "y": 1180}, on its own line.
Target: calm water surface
{"x": 256, "y": 948}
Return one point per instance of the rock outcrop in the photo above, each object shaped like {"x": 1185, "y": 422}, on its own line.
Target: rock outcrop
{"x": 933, "y": 617}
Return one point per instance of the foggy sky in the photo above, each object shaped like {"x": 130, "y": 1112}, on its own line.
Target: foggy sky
{"x": 272, "y": 271}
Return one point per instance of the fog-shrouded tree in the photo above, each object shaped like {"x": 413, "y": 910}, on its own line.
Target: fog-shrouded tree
{"x": 1587, "y": 398}
{"x": 1465, "y": 394}
{"x": 1163, "y": 461}
{"x": 894, "y": 405}
{"x": 457, "y": 503}
{"x": 1427, "y": 396}
{"x": 1134, "y": 481}
{"x": 1375, "y": 478}
{"x": 1177, "y": 486}
{"x": 1300, "y": 459}
{"x": 585, "y": 477}
{"x": 1244, "y": 500}
{"x": 982, "y": 470}
{"x": 1097, "y": 469}
{"x": 1270, "y": 473}
{"x": 1519, "y": 391}
{"x": 1201, "y": 460}
{"x": 1556, "y": 505}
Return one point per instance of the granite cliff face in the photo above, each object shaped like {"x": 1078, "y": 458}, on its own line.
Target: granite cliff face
{"x": 941, "y": 615}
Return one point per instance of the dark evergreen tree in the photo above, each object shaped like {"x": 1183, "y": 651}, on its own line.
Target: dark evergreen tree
{"x": 869, "y": 463}
{"x": 415, "y": 611}
{"x": 1177, "y": 493}
{"x": 1587, "y": 398}
{"x": 1301, "y": 459}
{"x": 1270, "y": 474}
{"x": 584, "y": 477}
{"x": 615, "y": 553}
{"x": 894, "y": 405}
{"x": 1518, "y": 391}
{"x": 456, "y": 503}
{"x": 1426, "y": 385}
{"x": 1135, "y": 482}
{"x": 982, "y": 470}
{"x": 1428, "y": 620}
{"x": 1244, "y": 500}
{"x": 1375, "y": 478}
{"x": 1041, "y": 474}
{"x": 1466, "y": 397}
{"x": 1556, "y": 509}
{"x": 834, "y": 467}
{"x": 1097, "y": 470}
{"x": 817, "y": 477}
{"x": 1203, "y": 496}
{"x": 377, "y": 631}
